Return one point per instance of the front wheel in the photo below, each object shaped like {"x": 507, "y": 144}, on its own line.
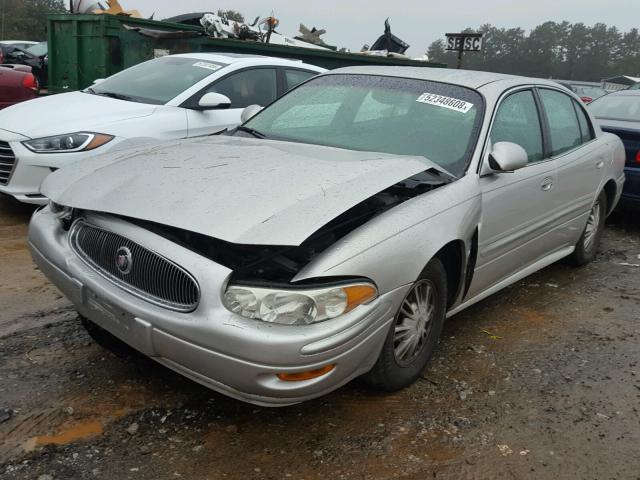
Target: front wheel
{"x": 587, "y": 246}
{"x": 414, "y": 333}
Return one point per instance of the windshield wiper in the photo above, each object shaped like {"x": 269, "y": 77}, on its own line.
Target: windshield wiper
{"x": 117, "y": 96}
{"x": 251, "y": 131}
{"x": 90, "y": 90}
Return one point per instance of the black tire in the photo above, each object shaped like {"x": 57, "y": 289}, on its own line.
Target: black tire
{"x": 110, "y": 342}
{"x": 391, "y": 374}
{"x": 587, "y": 246}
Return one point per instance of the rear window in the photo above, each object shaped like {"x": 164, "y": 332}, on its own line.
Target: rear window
{"x": 563, "y": 122}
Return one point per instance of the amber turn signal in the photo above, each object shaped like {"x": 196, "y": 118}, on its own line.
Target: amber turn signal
{"x": 98, "y": 140}
{"x": 359, "y": 294}
{"x": 301, "y": 376}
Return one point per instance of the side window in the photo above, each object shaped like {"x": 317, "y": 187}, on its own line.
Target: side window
{"x": 295, "y": 77}
{"x": 563, "y": 122}
{"x": 517, "y": 121}
{"x": 585, "y": 125}
{"x": 248, "y": 87}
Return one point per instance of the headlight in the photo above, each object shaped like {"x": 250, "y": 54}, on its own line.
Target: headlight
{"x": 297, "y": 306}
{"x": 73, "y": 142}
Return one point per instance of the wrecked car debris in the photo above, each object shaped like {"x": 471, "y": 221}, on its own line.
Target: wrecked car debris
{"x": 261, "y": 263}
{"x": 261, "y": 30}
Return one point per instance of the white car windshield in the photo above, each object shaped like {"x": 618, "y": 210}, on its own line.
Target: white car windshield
{"x": 381, "y": 114}
{"x": 38, "y": 50}
{"x": 157, "y": 81}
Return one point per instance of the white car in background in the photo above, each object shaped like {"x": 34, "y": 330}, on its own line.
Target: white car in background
{"x": 24, "y": 44}
{"x": 171, "y": 97}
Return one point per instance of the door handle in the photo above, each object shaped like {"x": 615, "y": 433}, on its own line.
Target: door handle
{"x": 600, "y": 164}
{"x": 546, "y": 184}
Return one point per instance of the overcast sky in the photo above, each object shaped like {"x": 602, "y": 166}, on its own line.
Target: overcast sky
{"x": 418, "y": 22}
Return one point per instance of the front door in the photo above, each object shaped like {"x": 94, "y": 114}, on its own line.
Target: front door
{"x": 254, "y": 86}
{"x": 514, "y": 226}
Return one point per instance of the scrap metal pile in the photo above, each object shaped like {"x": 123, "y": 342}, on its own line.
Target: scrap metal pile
{"x": 262, "y": 30}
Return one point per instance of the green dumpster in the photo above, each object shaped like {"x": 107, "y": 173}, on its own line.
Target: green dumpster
{"x": 83, "y": 48}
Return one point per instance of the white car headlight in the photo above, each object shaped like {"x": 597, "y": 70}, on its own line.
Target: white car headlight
{"x": 298, "y": 306}
{"x": 72, "y": 142}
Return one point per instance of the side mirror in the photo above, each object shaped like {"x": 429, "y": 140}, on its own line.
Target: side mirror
{"x": 249, "y": 111}
{"x": 212, "y": 100}
{"x": 507, "y": 157}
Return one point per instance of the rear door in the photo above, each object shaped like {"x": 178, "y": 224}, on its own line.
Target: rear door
{"x": 579, "y": 159}
{"x": 514, "y": 227}
{"x": 250, "y": 86}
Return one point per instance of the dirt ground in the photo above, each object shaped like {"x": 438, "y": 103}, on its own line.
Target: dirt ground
{"x": 539, "y": 381}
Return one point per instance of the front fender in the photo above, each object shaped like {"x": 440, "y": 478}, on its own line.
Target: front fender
{"x": 393, "y": 248}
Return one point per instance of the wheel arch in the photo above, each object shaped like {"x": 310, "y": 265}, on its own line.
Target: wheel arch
{"x": 453, "y": 256}
{"x": 610, "y": 190}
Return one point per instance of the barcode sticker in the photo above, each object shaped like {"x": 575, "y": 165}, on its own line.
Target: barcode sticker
{"x": 445, "y": 102}
{"x": 207, "y": 65}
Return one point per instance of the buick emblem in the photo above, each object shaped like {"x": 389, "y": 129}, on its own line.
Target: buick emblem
{"x": 124, "y": 260}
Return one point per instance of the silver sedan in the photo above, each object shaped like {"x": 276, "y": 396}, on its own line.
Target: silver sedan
{"x": 331, "y": 235}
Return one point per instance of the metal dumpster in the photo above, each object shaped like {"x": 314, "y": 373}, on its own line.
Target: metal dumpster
{"x": 83, "y": 48}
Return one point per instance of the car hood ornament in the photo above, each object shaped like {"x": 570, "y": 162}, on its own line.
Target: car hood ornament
{"x": 124, "y": 260}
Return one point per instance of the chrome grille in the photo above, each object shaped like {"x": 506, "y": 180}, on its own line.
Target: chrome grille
{"x": 151, "y": 276}
{"x": 7, "y": 162}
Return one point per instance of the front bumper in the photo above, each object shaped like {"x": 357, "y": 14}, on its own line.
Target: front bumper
{"x": 233, "y": 355}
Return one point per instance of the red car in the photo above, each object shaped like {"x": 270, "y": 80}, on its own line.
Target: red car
{"x": 17, "y": 84}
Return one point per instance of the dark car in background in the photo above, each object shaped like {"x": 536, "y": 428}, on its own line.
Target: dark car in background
{"x": 619, "y": 113}
{"x": 35, "y": 56}
{"x": 17, "y": 84}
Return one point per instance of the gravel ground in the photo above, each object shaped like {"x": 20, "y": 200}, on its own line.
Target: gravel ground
{"x": 539, "y": 381}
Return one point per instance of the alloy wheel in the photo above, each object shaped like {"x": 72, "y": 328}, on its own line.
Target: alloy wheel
{"x": 414, "y": 321}
{"x": 593, "y": 224}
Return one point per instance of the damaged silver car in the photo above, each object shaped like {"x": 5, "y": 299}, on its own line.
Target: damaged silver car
{"x": 330, "y": 236}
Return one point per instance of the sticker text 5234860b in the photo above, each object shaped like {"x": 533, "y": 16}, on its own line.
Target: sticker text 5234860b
{"x": 445, "y": 102}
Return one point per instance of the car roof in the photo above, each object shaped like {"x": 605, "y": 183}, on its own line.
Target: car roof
{"x": 627, "y": 93}
{"x": 235, "y": 58}
{"x": 466, "y": 78}
{"x": 14, "y": 42}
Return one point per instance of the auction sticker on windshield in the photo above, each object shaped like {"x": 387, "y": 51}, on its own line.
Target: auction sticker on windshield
{"x": 207, "y": 65}
{"x": 445, "y": 102}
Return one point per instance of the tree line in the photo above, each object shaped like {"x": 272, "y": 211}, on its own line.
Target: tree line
{"x": 27, "y": 19}
{"x": 570, "y": 51}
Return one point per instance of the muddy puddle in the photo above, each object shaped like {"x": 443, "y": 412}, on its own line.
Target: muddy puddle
{"x": 539, "y": 381}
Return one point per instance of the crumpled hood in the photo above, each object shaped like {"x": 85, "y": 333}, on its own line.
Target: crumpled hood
{"x": 235, "y": 189}
{"x": 69, "y": 113}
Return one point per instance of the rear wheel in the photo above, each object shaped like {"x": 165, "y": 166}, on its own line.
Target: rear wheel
{"x": 414, "y": 334}
{"x": 587, "y": 246}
